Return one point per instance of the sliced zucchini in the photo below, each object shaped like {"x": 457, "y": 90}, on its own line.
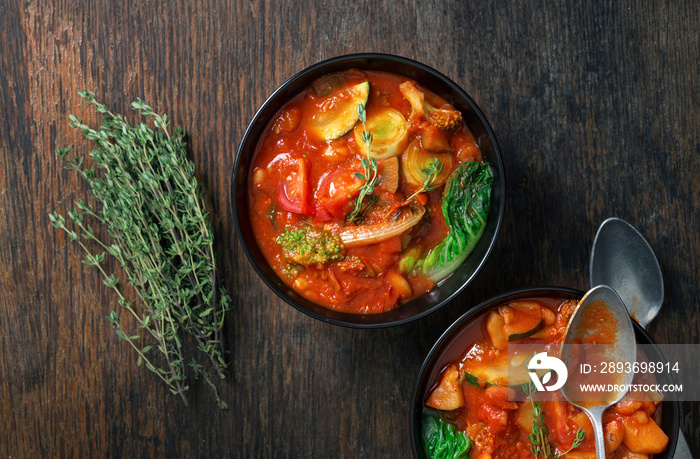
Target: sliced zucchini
{"x": 340, "y": 114}
{"x": 474, "y": 381}
{"x": 524, "y": 333}
{"x": 522, "y": 319}
{"x": 495, "y": 372}
{"x": 389, "y": 133}
{"x": 493, "y": 368}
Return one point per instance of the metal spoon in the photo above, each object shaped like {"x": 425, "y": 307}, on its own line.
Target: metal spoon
{"x": 623, "y": 259}
{"x": 600, "y": 301}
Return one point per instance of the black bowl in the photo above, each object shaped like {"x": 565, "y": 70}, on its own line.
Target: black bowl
{"x": 442, "y": 353}
{"x": 435, "y": 82}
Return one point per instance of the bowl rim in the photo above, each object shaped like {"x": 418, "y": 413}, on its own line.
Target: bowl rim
{"x": 471, "y": 313}
{"x": 353, "y": 320}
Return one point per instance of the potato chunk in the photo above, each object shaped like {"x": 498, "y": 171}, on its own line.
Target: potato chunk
{"x": 642, "y": 435}
{"x": 494, "y": 327}
{"x": 624, "y": 453}
{"x": 448, "y": 394}
{"x": 614, "y": 433}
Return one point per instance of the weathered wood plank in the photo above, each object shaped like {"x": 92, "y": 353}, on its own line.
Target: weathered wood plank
{"x": 596, "y": 110}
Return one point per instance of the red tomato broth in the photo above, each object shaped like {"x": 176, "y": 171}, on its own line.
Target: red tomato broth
{"x": 500, "y": 428}
{"x": 298, "y": 179}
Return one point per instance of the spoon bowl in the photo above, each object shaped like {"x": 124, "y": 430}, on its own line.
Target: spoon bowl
{"x": 623, "y": 259}
{"x": 600, "y": 313}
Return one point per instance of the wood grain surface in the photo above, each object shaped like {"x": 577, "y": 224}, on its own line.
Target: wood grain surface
{"x": 596, "y": 106}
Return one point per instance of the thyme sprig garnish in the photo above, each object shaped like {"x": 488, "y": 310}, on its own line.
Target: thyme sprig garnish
{"x": 580, "y": 436}
{"x": 151, "y": 205}
{"x": 370, "y": 171}
{"x": 539, "y": 442}
{"x": 431, "y": 171}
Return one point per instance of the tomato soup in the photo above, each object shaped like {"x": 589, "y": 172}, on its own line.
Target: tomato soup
{"x": 366, "y": 190}
{"x": 471, "y": 407}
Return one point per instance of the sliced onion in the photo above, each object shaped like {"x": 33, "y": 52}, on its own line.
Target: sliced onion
{"x": 355, "y": 236}
{"x": 389, "y": 133}
{"x": 416, "y": 159}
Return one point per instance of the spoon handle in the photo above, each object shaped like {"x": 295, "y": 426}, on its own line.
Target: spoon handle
{"x": 599, "y": 441}
{"x": 595, "y": 414}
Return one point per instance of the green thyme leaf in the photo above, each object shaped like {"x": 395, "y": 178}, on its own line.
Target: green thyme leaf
{"x": 370, "y": 176}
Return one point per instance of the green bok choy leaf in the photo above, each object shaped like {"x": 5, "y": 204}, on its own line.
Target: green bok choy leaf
{"x": 442, "y": 440}
{"x": 465, "y": 205}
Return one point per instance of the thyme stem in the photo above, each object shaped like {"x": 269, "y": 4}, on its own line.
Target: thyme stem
{"x": 432, "y": 171}
{"x": 369, "y": 166}
{"x": 539, "y": 442}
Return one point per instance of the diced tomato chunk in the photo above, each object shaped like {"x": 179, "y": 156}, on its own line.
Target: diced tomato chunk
{"x": 321, "y": 214}
{"x": 500, "y": 397}
{"x": 558, "y": 417}
{"x": 495, "y": 418}
{"x": 337, "y": 190}
{"x": 293, "y": 188}
{"x": 288, "y": 120}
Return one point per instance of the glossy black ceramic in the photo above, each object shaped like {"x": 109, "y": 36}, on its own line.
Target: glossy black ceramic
{"x": 433, "y": 363}
{"x": 435, "y": 82}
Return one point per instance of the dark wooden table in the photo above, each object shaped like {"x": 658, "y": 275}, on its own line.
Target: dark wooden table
{"x": 597, "y": 111}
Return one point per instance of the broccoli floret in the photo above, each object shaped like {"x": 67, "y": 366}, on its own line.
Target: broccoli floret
{"x": 446, "y": 118}
{"x": 308, "y": 246}
{"x": 292, "y": 270}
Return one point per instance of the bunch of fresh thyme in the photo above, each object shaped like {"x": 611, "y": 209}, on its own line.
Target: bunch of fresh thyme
{"x": 151, "y": 205}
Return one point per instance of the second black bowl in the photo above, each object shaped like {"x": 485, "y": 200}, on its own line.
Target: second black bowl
{"x": 445, "y": 351}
